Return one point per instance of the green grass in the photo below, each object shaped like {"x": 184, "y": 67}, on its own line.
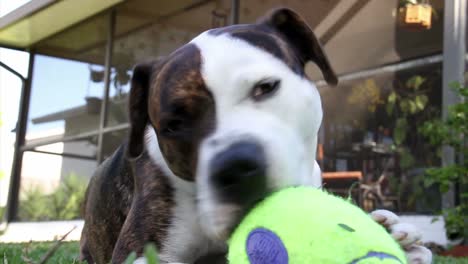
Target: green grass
{"x": 68, "y": 253}
{"x": 16, "y": 253}
{"x": 447, "y": 260}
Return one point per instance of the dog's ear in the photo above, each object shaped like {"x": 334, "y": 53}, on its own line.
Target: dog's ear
{"x": 291, "y": 26}
{"x": 138, "y": 105}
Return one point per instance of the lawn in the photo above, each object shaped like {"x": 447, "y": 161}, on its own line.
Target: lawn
{"x": 34, "y": 252}
{"x": 68, "y": 253}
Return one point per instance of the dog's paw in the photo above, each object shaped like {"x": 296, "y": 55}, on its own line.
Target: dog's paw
{"x": 417, "y": 254}
{"x": 406, "y": 235}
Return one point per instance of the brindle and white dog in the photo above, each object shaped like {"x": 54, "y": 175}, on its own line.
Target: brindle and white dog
{"x": 215, "y": 126}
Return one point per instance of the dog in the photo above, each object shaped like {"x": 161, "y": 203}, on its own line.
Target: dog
{"x": 214, "y": 127}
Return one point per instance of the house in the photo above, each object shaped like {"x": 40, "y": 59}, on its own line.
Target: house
{"x": 82, "y": 53}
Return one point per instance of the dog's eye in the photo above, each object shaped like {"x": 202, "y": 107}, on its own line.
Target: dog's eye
{"x": 264, "y": 89}
{"x": 172, "y": 126}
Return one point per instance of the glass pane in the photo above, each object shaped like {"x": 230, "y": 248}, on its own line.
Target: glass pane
{"x": 64, "y": 99}
{"x": 53, "y": 186}
{"x": 378, "y": 135}
{"x": 144, "y": 33}
{"x": 10, "y": 92}
{"x": 67, "y": 85}
{"x": 358, "y": 35}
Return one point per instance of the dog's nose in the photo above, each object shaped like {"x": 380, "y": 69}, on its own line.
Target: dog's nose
{"x": 239, "y": 172}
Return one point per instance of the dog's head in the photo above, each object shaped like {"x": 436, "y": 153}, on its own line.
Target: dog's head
{"x": 234, "y": 113}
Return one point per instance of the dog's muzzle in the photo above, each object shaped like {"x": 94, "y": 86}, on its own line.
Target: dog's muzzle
{"x": 238, "y": 174}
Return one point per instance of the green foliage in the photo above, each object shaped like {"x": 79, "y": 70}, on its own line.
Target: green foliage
{"x": 68, "y": 252}
{"x": 64, "y": 203}
{"x": 449, "y": 260}
{"x": 66, "y": 200}
{"x": 399, "y": 132}
{"x": 34, "y": 205}
{"x": 131, "y": 258}
{"x": 408, "y": 105}
{"x": 2, "y": 211}
{"x": 451, "y": 132}
{"x": 406, "y": 158}
{"x": 150, "y": 254}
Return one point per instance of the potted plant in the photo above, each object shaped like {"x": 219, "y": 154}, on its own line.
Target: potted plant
{"x": 96, "y": 75}
{"x": 414, "y": 14}
{"x": 93, "y": 105}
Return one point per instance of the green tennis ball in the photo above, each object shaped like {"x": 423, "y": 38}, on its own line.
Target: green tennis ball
{"x": 302, "y": 225}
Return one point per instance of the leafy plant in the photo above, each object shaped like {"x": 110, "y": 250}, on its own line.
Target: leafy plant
{"x": 397, "y": 110}
{"x": 66, "y": 200}
{"x": 366, "y": 94}
{"x": 408, "y": 104}
{"x": 452, "y": 132}
{"x": 64, "y": 203}
{"x": 34, "y": 205}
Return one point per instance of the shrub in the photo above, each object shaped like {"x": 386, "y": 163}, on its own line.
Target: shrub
{"x": 62, "y": 204}
{"x": 453, "y": 132}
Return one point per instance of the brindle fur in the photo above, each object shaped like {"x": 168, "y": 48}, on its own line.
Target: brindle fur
{"x": 129, "y": 199}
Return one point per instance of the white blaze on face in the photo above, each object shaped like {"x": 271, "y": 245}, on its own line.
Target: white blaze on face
{"x": 285, "y": 124}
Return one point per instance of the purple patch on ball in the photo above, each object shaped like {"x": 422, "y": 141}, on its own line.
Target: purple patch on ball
{"x": 265, "y": 247}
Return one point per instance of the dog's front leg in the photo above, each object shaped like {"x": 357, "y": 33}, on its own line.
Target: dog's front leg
{"x": 407, "y": 235}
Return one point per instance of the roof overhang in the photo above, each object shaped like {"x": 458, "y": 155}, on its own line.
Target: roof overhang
{"x": 40, "y": 19}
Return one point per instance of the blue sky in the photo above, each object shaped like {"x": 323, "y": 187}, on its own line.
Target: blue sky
{"x": 59, "y": 84}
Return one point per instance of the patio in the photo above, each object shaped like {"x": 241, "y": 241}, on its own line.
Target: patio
{"x": 72, "y": 121}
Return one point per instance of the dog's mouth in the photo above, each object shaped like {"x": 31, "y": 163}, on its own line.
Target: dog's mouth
{"x": 224, "y": 218}
{"x": 380, "y": 256}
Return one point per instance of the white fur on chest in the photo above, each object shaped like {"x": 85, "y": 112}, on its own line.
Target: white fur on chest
{"x": 185, "y": 240}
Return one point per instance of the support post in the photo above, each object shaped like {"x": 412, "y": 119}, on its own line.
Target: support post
{"x": 235, "y": 5}
{"x": 21, "y": 128}
{"x": 107, "y": 83}
{"x": 453, "y": 71}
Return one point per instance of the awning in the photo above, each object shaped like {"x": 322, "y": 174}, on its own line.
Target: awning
{"x": 357, "y": 34}
{"x": 40, "y": 19}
